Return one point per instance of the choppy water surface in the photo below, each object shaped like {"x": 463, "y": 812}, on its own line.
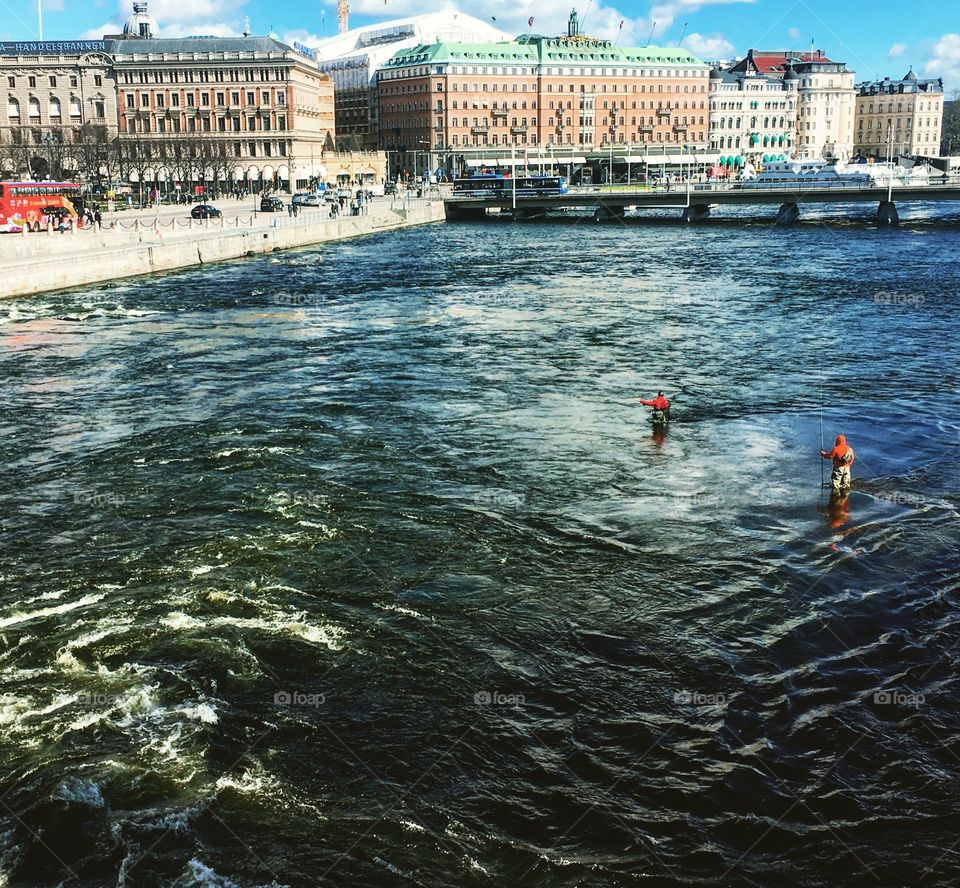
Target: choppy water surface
{"x": 360, "y": 566}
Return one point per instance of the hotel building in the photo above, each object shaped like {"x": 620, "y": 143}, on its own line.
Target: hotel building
{"x": 552, "y": 92}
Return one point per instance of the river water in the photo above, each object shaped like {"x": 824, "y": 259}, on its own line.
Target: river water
{"x": 362, "y": 566}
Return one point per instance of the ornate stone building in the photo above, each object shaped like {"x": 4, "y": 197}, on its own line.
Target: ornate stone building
{"x": 60, "y": 102}
{"x": 899, "y": 117}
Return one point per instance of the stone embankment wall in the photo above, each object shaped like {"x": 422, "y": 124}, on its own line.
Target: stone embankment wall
{"x": 39, "y": 263}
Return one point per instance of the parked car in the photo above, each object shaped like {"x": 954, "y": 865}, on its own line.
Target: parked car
{"x": 271, "y": 204}
{"x": 345, "y": 193}
{"x": 205, "y": 211}
{"x": 390, "y": 188}
{"x": 306, "y": 199}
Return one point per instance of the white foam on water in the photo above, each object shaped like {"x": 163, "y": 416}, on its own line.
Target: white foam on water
{"x": 414, "y": 827}
{"x": 180, "y": 620}
{"x": 202, "y": 712}
{"x": 17, "y": 618}
{"x": 14, "y": 710}
{"x": 82, "y": 791}
{"x": 204, "y": 875}
{"x": 406, "y": 611}
{"x": 250, "y": 782}
{"x": 202, "y": 569}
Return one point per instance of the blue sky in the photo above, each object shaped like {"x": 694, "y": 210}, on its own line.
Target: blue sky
{"x": 876, "y": 38}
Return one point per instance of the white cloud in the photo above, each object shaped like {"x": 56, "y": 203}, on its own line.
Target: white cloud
{"x": 709, "y": 47}
{"x": 207, "y": 29}
{"x": 898, "y": 49}
{"x": 944, "y": 60}
{"x": 794, "y": 33}
{"x": 602, "y": 19}
{"x": 97, "y": 33}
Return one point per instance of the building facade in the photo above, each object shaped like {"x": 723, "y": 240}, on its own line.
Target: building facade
{"x": 895, "y": 117}
{"x": 564, "y": 92}
{"x": 752, "y": 115}
{"x": 246, "y": 110}
{"x": 825, "y": 99}
{"x": 354, "y": 59}
{"x": 61, "y": 103}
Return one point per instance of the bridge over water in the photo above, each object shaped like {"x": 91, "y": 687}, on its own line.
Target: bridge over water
{"x": 696, "y": 201}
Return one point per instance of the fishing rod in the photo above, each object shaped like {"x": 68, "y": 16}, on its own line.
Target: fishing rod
{"x": 821, "y": 428}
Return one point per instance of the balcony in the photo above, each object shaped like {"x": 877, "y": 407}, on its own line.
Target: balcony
{"x": 664, "y": 112}
{"x": 499, "y": 112}
{"x": 679, "y": 127}
{"x": 480, "y": 128}
{"x": 518, "y": 129}
{"x": 647, "y": 128}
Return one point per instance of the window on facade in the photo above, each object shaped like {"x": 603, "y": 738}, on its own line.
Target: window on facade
{"x": 174, "y": 100}
{"x": 76, "y": 109}
{"x": 13, "y": 109}
{"x": 32, "y": 81}
{"x": 53, "y": 82}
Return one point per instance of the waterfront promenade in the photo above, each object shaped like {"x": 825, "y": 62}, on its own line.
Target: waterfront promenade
{"x": 138, "y": 242}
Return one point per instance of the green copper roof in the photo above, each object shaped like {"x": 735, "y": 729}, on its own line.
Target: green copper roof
{"x": 534, "y": 50}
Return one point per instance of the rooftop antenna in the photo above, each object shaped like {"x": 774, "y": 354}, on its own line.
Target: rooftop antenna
{"x": 652, "y": 29}
{"x": 40, "y": 17}
{"x": 682, "y": 34}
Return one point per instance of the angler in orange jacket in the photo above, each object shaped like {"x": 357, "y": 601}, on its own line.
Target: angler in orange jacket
{"x": 661, "y": 408}
{"x": 842, "y": 456}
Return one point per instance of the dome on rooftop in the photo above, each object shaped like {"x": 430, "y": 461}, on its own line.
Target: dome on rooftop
{"x": 716, "y": 74}
{"x": 140, "y": 24}
{"x": 790, "y": 74}
{"x": 910, "y": 75}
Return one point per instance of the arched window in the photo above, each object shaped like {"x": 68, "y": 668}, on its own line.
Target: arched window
{"x": 34, "y": 108}
{"x": 75, "y": 107}
{"x": 53, "y": 108}
{"x": 13, "y": 109}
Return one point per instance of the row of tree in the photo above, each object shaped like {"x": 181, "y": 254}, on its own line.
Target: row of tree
{"x": 94, "y": 155}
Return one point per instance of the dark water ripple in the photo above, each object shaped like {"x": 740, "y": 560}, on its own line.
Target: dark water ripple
{"x": 401, "y": 484}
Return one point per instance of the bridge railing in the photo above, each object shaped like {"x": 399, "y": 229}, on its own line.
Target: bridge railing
{"x": 712, "y": 187}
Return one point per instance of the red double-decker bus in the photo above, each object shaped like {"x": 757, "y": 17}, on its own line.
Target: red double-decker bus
{"x": 32, "y": 205}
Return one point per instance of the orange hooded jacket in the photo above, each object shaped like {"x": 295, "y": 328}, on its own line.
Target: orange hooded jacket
{"x": 842, "y": 453}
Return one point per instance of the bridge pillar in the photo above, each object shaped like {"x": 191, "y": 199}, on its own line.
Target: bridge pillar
{"x": 696, "y": 213}
{"x": 608, "y": 214}
{"x": 887, "y": 213}
{"x": 454, "y": 214}
{"x": 788, "y": 214}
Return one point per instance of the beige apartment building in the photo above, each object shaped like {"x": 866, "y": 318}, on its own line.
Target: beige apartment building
{"x": 825, "y": 99}
{"x": 895, "y": 117}
{"x": 259, "y": 113}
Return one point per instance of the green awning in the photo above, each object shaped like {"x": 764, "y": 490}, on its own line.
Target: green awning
{"x": 738, "y": 160}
